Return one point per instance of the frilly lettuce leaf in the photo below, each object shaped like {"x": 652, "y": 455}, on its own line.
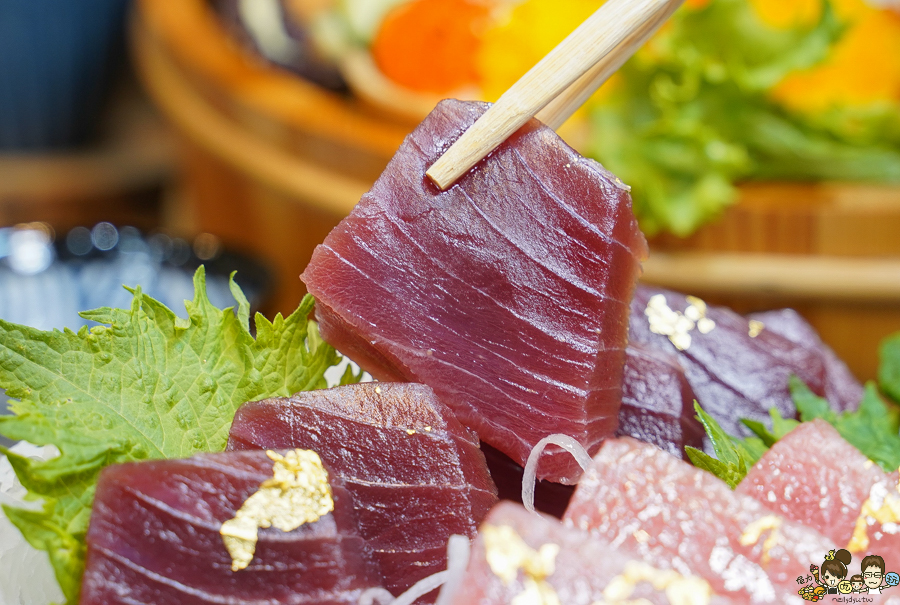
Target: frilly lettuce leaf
{"x": 690, "y": 116}
{"x": 144, "y": 385}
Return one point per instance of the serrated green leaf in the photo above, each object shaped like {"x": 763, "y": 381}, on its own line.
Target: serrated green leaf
{"x": 766, "y": 438}
{"x": 144, "y": 385}
{"x": 872, "y": 429}
{"x": 735, "y": 457}
{"x": 729, "y": 473}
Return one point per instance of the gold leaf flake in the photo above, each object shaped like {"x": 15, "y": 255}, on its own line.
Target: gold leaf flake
{"x": 410, "y": 432}
{"x": 297, "y": 493}
{"x": 675, "y": 325}
{"x": 882, "y": 506}
{"x": 753, "y": 532}
{"x": 507, "y": 553}
{"x": 755, "y": 327}
{"x": 679, "y": 589}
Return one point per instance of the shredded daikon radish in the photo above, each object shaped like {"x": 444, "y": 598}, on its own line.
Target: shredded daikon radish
{"x": 563, "y": 441}
{"x": 458, "y": 549}
{"x": 375, "y": 596}
{"x": 457, "y": 560}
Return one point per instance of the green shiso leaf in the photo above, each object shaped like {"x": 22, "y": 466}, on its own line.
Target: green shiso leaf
{"x": 733, "y": 457}
{"x": 144, "y": 385}
{"x": 872, "y": 429}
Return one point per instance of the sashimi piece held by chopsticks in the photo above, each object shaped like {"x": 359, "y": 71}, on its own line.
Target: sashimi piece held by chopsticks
{"x": 507, "y": 294}
{"x": 559, "y": 83}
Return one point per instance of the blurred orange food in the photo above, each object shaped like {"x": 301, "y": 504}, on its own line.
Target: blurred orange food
{"x": 862, "y": 68}
{"x": 430, "y": 45}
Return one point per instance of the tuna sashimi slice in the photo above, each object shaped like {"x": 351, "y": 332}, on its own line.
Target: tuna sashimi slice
{"x": 657, "y": 402}
{"x": 842, "y": 390}
{"x": 679, "y": 517}
{"x": 507, "y": 294}
{"x": 518, "y": 554}
{"x": 736, "y": 369}
{"x": 813, "y": 476}
{"x": 416, "y": 474}
{"x": 154, "y": 538}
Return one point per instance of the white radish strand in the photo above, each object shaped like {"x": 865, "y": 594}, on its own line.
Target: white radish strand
{"x": 529, "y": 478}
{"x": 458, "y": 550}
{"x": 375, "y": 596}
{"x": 457, "y": 559}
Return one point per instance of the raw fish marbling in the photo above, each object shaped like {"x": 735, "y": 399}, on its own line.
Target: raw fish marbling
{"x": 734, "y": 371}
{"x": 416, "y": 474}
{"x": 507, "y": 294}
{"x": 154, "y": 538}
{"x": 813, "y": 476}
{"x": 518, "y": 554}
{"x": 679, "y": 517}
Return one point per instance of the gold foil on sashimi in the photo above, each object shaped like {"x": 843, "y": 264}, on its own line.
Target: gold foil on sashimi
{"x": 679, "y": 589}
{"x": 675, "y": 325}
{"x": 754, "y": 530}
{"x": 297, "y": 493}
{"x": 755, "y": 328}
{"x": 507, "y": 553}
{"x": 883, "y": 506}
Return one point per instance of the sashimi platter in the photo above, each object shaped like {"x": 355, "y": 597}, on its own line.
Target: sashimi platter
{"x": 541, "y": 428}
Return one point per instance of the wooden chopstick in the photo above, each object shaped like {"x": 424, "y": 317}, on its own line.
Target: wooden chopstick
{"x": 560, "y": 109}
{"x": 617, "y": 28}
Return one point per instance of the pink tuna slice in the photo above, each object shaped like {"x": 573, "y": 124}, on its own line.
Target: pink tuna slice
{"x": 679, "y": 517}
{"x": 154, "y": 538}
{"x": 507, "y": 294}
{"x": 416, "y": 474}
{"x": 813, "y": 476}
{"x": 584, "y": 569}
{"x": 734, "y": 374}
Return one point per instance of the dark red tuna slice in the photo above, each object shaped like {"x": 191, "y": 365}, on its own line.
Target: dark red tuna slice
{"x": 842, "y": 390}
{"x": 416, "y": 474}
{"x": 679, "y": 517}
{"x": 813, "y": 476}
{"x": 657, "y": 402}
{"x": 514, "y": 547}
{"x": 657, "y": 407}
{"x": 735, "y": 369}
{"x": 154, "y": 538}
{"x": 507, "y": 294}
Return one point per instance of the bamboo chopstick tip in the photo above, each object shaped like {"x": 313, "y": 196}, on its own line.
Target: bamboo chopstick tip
{"x": 441, "y": 175}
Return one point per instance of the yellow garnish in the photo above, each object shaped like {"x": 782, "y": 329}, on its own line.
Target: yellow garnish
{"x": 755, "y": 328}
{"x": 297, "y": 493}
{"x": 882, "y": 506}
{"x": 753, "y": 532}
{"x": 679, "y": 589}
{"x": 676, "y": 325}
{"x": 507, "y": 553}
